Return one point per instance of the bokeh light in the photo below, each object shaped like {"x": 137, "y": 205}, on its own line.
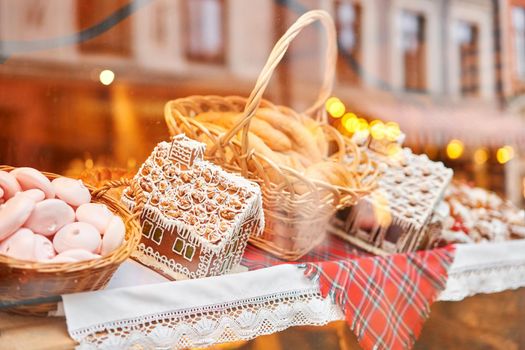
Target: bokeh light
{"x": 455, "y": 149}
{"x": 336, "y": 109}
{"x": 106, "y": 77}
{"x": 350, "y": 122}
{"x": 504, "y": 154}
{"x": 392, "y": 131}
{"x": 331, "y": 100}
{"x": 481, "y": 155}
{"x": 377, "y": 130}
{"x": 363, "y": 125}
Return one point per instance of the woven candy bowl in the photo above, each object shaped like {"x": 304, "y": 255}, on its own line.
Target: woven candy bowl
{"x": 297, "y": 208}
{"x": 33, "y": 287}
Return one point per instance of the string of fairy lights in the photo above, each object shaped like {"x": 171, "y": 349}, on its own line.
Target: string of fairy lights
{"x": 352, "y": 124}
{"x": 377, "y": 129}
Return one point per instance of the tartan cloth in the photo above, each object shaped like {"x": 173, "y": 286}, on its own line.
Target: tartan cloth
{"x": 385, "y": 299}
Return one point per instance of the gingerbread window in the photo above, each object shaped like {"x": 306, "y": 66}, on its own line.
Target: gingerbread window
{"x": 178, "y": 246}
{"x": 157, "y": 235}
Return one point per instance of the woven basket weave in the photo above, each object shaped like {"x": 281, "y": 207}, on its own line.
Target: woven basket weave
{"x": 295, "y": 221}
{"x": 24, "y": 280}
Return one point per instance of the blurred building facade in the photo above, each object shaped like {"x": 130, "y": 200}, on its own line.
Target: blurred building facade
{"x": 443, "y": 69}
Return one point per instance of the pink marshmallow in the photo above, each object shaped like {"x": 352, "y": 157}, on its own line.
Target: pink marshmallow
{"x": 20, "y": 245}
{"x": 9, "y": 185}
{"x": 49, "y": 216}
{"x": 95, "y": 214}
{"x": 78, "y": 235}
{"x": 30, "y": 178}
{"x": 71, "y": 191}
{"x": 13, "y": 214}
{"x": 35, "y": 194}
{"x": 78, "y": 255}
{"x": 44, "y": 249}
{"x": 114, "y": 236}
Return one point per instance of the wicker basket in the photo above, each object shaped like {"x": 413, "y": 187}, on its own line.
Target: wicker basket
{"x": 295, "y": 222}
{"x": 22, "y": 281}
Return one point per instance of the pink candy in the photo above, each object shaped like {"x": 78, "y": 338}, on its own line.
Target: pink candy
{"x": 96, "y": 214}
{"x": 73, "y": 192}
{"x": 20, "y": 245}
{"x": 35, "y": 194}
{"x": 77, "y": 255}
{"x": 44, "y": 249}
{"x": 8, "y": 184}
{"x": 49, "y": 216}
{"x": 114, "y": 235}
{"x": 29, "y": 178}
{"x": 13, "y": 214}
{"x": 40, "y": 218}
{"x": 78, "y": 235}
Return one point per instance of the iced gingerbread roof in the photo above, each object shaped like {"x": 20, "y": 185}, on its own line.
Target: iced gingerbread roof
{"x": 412, "y": 185}
{"x": 182, "y": 190}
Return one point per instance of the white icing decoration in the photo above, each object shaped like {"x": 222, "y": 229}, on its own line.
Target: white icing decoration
{"x": 209, "y": 208}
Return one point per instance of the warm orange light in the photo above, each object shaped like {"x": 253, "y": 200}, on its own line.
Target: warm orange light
{"x": 393, "y": 149}
{"x": 375, "y": 122}
{"x": 481, "y": 155}
{"x": 89, "y": 163}
{"x": 106, "y": 77}
{"x": 132, "y": 163}
{"x": 455, "y": 149}
{"x": 381, "y": 208}
{"x": 523, "y": 183}
{"x": 329, "y": 102}
{"x": 504, "y": 154}
{"x": 392, "y": 131}
{"x": 363, "y": 125}
{"x": 350, "y": 122}
{"x": 335, "y": 107}
{"x": 392, "y": 125}
{"x": 377, "y": 130}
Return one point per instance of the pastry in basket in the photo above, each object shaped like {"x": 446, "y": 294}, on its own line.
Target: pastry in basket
{"x": 394, "y": 218}
{"x": 196, "y": 217}
{"x": 299, "y": 143}
{"x": 54, "y": 221}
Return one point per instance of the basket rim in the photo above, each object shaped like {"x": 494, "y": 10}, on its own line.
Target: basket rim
{"x": 347, "y": 196}
{"x": 114, "y": 258}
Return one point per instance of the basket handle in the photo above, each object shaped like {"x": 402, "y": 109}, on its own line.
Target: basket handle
{"x": 110, "y": 185}
{"x": 137, "y": 210}
{"x": 275, "y": 57}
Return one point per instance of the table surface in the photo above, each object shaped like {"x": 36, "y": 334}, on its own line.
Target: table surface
{"x": 494, "y": 321}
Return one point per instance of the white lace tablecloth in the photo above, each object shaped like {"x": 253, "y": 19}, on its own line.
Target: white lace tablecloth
{"x": 141, "y": 309}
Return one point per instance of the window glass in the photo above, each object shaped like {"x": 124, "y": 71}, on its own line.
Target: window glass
{"x": 518, "y": 21}
{"x": 205, "y": 30}
{"x": 348, "y": 20}
{"x": 466, "y": 37}
{"x": 413, "y": 50}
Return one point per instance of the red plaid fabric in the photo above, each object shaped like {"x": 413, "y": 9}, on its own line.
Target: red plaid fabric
{"x": 385, "y": 299}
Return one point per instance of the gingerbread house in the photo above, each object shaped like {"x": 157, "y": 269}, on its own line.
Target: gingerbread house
{"x": 395, "y": 217}
{"x": 197, "y": 217}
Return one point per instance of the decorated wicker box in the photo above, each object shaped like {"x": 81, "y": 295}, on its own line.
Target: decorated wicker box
{"x": 196, "y": 218}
